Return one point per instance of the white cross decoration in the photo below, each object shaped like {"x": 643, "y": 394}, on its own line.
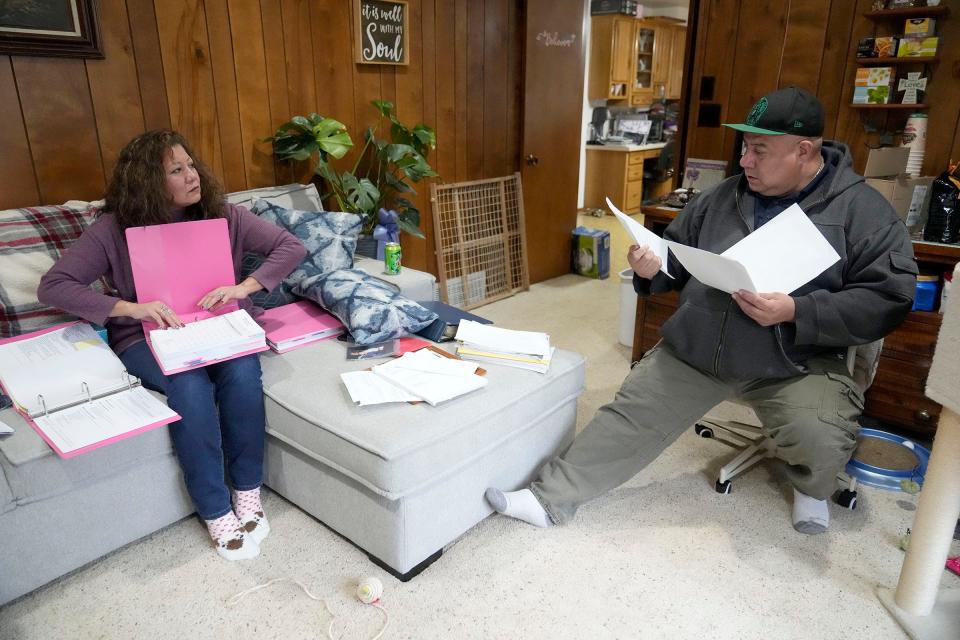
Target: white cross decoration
{"x": 911, "y": 84}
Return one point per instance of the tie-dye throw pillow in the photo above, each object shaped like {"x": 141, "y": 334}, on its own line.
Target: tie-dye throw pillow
{"x": 371, "y": 309}
{"x": 330, "y": 237}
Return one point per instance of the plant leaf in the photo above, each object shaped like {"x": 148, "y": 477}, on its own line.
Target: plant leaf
{"x": 426, "y": 136}
{"x": 361, "y": 194}
{"x": 385, "y": 107}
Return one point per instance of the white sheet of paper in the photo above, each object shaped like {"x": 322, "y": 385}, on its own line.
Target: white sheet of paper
{"x": 713, "y": 270}
{"x": 643, "y": 236}
{"x": 431, "y": 376}
{"x": 785, "y": 253}
{"x": 366, "y": 388}
{"x": 102, "y": 419}
{"x": 5, "y": 429}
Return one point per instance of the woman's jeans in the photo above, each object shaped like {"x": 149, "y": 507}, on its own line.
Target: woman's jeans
{"x": 204, "y": 438}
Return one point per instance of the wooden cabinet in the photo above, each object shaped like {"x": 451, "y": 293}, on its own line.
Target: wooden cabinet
{"x": 611, "y": 57}
{"x": 635, "y": 60}
{"x": 617, "y": 175}
{"x": 896, "y": 398}
{"x": 675, "y": 70}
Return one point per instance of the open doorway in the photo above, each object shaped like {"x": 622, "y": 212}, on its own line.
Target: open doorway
{"x": 633, "y": 104}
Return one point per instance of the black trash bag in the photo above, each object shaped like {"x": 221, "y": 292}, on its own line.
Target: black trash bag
{"x": 943, "y": 218}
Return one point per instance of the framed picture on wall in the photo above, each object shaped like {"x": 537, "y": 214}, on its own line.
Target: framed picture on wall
{"x": 62, "y": 28}
{"x": 382, "y": 32}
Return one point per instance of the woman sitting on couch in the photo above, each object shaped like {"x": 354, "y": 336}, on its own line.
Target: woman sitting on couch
{"x": 158, "y": 180}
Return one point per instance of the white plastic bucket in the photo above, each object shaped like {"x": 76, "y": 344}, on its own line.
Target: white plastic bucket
{"x": 628, "y": 308}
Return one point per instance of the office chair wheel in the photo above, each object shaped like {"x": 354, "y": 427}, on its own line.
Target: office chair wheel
{"x": 703, "y": 430}
{"x": 847, "y": 499}
{"x": 723, "y": 487}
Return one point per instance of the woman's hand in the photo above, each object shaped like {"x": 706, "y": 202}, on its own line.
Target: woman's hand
{"x": 155, "y": 311}
{"x": 222, "y": 295}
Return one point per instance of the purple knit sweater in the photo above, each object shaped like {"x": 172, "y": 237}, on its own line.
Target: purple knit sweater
{"x": 102, "y": 251}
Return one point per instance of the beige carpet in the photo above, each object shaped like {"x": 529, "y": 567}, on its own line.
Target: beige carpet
{"x": 664, "y": 556}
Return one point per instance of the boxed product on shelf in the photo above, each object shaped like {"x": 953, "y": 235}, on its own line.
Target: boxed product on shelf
{"x": 918, "y": 47}
{"x": 591, "y": 252}
{"x": 885, "y": 47}
{"x": 865, "y": 47}
{"x": 873, "y": 85}
{"x": 919, "y": 27}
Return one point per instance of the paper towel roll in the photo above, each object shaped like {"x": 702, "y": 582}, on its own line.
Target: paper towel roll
{"x": 915, "y": 137}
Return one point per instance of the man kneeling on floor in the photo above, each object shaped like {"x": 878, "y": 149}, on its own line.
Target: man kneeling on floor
{"x": 784, "y": 355}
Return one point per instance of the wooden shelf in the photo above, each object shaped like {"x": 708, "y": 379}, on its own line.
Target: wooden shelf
{"x": 896, "y": 60}
{"x": 888, "y": 106}
{"x": 908, "y": 12}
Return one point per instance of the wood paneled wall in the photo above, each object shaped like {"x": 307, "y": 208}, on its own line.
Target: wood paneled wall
{"x": 750, "y": 48}
{"x": 226, "y": 73}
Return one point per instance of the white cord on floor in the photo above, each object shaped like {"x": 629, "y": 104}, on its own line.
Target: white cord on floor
{"x": 235, "y": 599}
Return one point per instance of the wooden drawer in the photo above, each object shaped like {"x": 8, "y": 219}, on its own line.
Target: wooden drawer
{"x": 917, "y": 336}
{"x": 902, "y": 410}
{"x": 635, "y": 158}
{"x": 635, "y": 172}
{"x": 634, "y": 196}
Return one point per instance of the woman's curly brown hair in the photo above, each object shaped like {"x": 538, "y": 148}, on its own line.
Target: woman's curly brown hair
{"x": 137, "y": 194}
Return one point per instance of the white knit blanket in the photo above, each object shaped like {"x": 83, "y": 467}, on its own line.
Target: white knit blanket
{"x": 943, "y": 383}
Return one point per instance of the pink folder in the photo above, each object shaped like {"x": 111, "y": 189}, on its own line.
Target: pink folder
{"x": 36, "y": 427}
{"x": 298, "y": 324}
{"x": 179, "y": 263}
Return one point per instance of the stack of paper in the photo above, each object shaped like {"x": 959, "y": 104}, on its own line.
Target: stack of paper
{"x": 522, "y": 349}
{"x": 417, "y": 375}
{"x": 206, "y": 341}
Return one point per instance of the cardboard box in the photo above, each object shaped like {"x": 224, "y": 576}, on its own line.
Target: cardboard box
{"x": 885, "y": 172}
{"x": 591, "y": 252}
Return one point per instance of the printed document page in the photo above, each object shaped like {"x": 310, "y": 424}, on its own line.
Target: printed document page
{"x": 92, "y": 422}
{"x": 785, "y": 253}
{"x": 62, "y": 366}
{"x": 209, "y": 339}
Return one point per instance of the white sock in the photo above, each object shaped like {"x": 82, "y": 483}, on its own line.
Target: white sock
{"x": 810, "y": 515}
{"x": 249, "y": 510}
{"x": 232, "y": 541}
{"x": 522, "y": 505}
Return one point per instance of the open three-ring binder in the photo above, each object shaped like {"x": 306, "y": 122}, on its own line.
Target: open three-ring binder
{"x": 74, "y": 390}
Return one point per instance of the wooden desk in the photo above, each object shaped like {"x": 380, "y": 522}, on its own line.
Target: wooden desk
{"x": 896, "y": 397}
{"x": 616, "y": 173}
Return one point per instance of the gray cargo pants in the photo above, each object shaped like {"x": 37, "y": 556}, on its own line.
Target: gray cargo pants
{"x": 811, "y": 418}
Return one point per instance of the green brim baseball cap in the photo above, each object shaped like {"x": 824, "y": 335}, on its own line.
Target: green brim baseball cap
{"x": 785, "y": 111}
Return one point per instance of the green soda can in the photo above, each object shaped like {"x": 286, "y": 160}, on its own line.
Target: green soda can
{"x": 391, "y": 258}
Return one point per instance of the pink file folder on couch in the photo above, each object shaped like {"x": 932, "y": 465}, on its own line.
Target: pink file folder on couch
{"x": 179, "y": 263}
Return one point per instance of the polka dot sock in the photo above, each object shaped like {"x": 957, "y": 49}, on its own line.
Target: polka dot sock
{"x": 231, "y": 539}
{"x": 249, "y": 510}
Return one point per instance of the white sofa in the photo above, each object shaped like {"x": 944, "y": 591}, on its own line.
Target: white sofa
{"x": 399, "y": 481}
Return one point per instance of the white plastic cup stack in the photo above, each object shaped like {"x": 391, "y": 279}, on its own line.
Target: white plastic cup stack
{"x": 915, "y": 137}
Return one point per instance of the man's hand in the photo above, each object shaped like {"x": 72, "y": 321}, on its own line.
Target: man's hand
{"x": 767, "y": 309}
{"x": 644, "y": 262}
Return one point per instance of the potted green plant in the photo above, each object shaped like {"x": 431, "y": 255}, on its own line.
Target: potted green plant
{"x": 378, "y": 185}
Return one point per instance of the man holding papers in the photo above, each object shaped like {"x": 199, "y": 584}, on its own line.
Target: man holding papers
{"x": 749, "y": 326}
{"x": 157, "y": 181}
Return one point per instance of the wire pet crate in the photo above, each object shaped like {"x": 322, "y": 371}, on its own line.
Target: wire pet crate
{"x": 481, "y": 242}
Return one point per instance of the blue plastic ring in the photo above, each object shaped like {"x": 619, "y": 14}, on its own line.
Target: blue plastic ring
{"x": 889, "y": 479}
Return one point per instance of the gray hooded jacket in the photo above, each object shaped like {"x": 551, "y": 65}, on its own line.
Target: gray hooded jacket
{"x": 861, "y": 298}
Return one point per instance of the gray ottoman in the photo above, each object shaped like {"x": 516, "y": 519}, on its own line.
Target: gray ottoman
{"x": 402, "y": 481}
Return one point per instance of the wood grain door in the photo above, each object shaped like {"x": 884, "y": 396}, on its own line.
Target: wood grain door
{"x": 553, "y": 105}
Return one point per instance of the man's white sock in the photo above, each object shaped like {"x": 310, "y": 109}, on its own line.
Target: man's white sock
{"x": 522, "y": 505}
{"x": 810, "y": 515}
